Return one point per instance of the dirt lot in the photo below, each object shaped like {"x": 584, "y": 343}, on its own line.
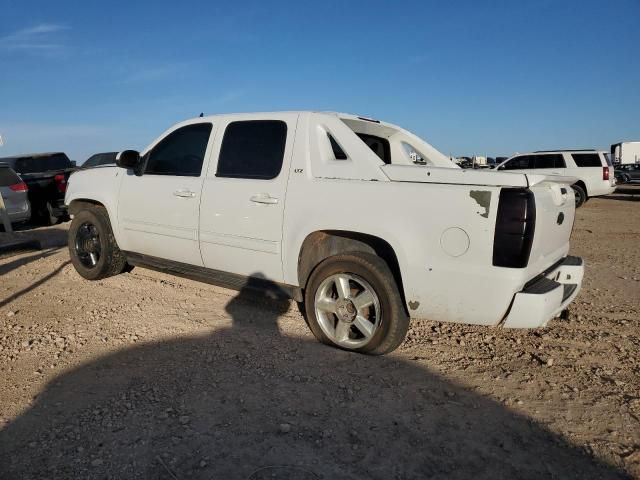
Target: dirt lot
{"x": 149, "y": 376}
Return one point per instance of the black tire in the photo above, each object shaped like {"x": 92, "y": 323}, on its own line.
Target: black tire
{"x": 581, "y": 195}
{"x": 111, "y": 261}
{"x": 394, "y": 320}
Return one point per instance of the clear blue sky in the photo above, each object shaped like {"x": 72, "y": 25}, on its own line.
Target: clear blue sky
{"x": 476, "y": 77}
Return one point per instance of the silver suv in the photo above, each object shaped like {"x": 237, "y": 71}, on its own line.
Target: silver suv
{"x": 14, "y": 194}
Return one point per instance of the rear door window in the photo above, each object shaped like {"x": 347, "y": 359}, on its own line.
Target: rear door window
{"x": 8, "y": 177}
{"x": 552, "y": 160}
{"x": 519, "y": 163}
{"x": 252, "y": 149}
{"x": 587, "y": 159}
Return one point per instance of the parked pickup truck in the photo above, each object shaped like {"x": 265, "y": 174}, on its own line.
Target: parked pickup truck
{"x": 332, "y": 209}
{"x": 46, "y": 176}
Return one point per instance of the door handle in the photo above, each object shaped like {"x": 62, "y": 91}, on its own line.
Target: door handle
{"x": 184, "y": 193}
{"x": 555, "y": 173}
{"x": 263, "y": 198}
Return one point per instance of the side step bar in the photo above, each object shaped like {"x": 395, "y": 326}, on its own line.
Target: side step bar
{"x": 214, "y": 277}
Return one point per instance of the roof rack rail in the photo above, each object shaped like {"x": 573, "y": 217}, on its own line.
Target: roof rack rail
{"x": 567, "y": 150}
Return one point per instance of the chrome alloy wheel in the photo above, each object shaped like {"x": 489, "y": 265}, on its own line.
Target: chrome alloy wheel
{"x": 348, "y": 310}
{"x": 87, "y": 245}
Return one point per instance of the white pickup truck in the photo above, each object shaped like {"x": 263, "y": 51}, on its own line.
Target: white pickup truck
{"x": 333, "y": 210}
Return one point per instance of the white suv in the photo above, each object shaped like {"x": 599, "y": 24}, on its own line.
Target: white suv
{"x": 592, "y": 168}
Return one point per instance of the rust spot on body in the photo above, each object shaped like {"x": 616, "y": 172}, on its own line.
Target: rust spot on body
{"x": 482, "y": 198}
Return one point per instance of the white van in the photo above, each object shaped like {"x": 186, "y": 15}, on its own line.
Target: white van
{"x": 592, "y": 168}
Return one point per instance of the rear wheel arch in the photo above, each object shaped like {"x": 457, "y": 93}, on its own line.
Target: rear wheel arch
{"x": 580, "y": 191}
{"x": 583, "y": 186}
{"x": 320, "y": 245}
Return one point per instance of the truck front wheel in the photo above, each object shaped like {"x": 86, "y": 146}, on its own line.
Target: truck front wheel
{"x": 352, "y": 302}
{"x": 92, "y": 246}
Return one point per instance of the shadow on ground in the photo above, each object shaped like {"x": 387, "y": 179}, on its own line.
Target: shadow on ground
{"x": 624, "y": 197}
{"x": 22, "y": 260}
{"x": 34, "y": 285}
{"x": 49, "y": 237}
{"x": 238, "y": 402}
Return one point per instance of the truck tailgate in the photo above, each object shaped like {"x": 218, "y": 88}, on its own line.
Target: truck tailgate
{"x": 555, "y": 212}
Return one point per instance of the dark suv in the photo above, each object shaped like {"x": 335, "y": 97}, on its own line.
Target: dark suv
{"x": 46, "y": 176}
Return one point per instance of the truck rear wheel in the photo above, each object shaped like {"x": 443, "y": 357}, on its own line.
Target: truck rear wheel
{"x": 92, "y": 246}
{"x": 581, "y": 195}
{"x": 352, "y": 302}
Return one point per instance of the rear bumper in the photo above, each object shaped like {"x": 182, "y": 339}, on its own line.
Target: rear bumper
{"x": 602, "y": 190}
{"x": 547, "y": 296}
{"x": 19, "y": 217}
{"x": 21, "y": 214}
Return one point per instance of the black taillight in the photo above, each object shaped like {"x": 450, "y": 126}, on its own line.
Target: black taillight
{"x": 515, "y": 224}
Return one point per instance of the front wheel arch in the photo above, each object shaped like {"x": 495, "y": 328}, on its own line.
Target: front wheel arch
{"x": 110, "y": 259}
{"x": 79, "y": 204}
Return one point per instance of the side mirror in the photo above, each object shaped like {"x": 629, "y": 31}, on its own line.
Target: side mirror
{"x": 128, "y": 159}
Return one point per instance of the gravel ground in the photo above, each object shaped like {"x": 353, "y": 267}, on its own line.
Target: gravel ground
{"x": 144, "y": 375}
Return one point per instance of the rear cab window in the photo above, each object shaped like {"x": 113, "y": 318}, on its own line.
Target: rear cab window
{"x": 41, "y": 163}
{"x": 58, "y": 161}
{"x": 338, "y": 152}
{"x": 380, "y": 146}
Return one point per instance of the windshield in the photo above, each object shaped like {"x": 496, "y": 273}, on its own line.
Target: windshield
{"x": 101, "y": 159}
